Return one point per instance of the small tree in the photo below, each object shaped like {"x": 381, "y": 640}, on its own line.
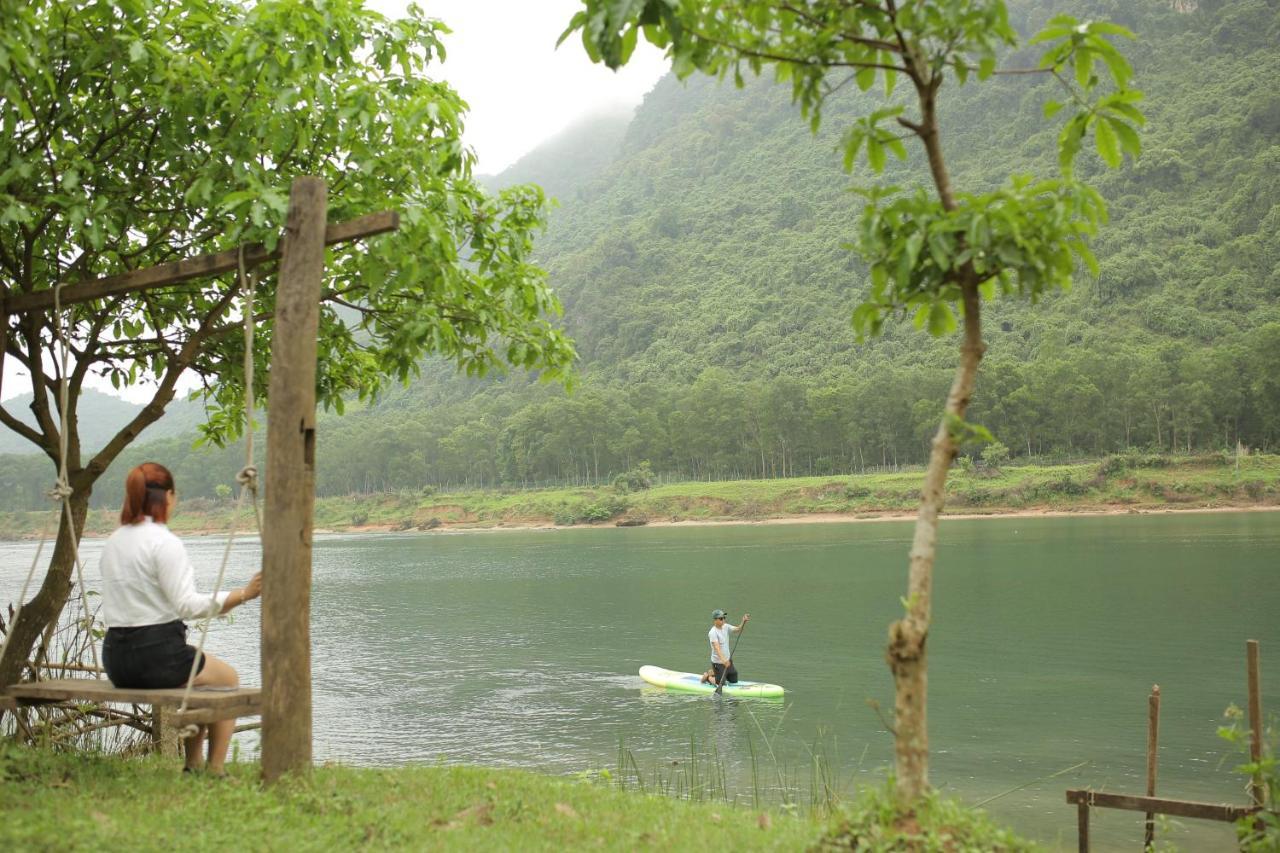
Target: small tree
{"x": 933, "y": 254}
{"x": 635, "y": 479}
{"x": 138, "y": 132}
{"x": 995, "y": 455}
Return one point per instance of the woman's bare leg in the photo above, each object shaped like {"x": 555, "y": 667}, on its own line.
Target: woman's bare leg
{"x": 193, "y": 746}
{"x": 218, "y": 673}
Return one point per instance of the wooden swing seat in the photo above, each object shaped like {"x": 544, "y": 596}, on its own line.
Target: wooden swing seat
{"x": 206, "y": 704}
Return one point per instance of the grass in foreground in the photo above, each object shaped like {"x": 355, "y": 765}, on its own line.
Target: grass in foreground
{"x": 51, "y": 801}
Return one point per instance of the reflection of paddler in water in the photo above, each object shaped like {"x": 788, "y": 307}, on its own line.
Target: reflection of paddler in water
{"x": 722, "y": 668}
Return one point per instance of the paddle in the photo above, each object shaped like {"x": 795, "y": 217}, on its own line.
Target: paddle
{"x": 733, "y": 650}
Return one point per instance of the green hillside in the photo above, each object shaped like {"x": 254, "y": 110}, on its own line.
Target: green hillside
{"x": 701, "y": 260}
{"x": 705, "y": 279}
{"x": 101, "y": 417}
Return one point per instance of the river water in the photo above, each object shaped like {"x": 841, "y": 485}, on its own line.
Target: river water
{"x": 520, "y": 649}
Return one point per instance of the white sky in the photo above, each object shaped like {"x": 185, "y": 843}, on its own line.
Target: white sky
{"x": 502, "y": 60}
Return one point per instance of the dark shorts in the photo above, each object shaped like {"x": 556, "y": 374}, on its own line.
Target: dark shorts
{"x": 731, "y": 677}
{"x": 149, "y": 656}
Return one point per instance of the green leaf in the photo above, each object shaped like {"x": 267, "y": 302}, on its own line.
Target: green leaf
{"x": 1119, "y": 67}
{"x": 875, "y": 155}
{"x": 1051, "y": 108}
{"x": 1084, "y": 67}
{"x": 1130, "y": 142}
{"x": 865, "y": 78}
{"x": 942, "y": 320}
{"x": 1107, "y": 144}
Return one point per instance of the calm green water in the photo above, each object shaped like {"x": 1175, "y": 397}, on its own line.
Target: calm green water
{"x": 521, "y": 649}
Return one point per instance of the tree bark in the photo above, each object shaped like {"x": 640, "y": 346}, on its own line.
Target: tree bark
{"x": 907, "y": 650}
{"x": 43, "y": 608}
{"x": 906, "y": 653}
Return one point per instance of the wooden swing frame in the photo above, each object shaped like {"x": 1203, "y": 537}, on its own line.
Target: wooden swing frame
{"x": 284, "y": 702}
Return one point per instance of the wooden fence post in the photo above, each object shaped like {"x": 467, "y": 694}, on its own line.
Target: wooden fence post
{"x": 1256, "y": 789}
{"x": 1082, "y": 825}
{"x": 290, "y": 488}
{"x": 1153, "y": 744}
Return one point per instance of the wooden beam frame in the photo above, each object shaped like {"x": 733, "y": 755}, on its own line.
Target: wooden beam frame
{"x": 1084, "y": 800}
{"x": 285, "y": 701}
{"x": 1160, "y": 805}
{"x": 201, "y": 266}
{"x": 290, "y": 494}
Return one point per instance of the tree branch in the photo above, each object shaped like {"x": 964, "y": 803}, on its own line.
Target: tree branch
{"x": 164, "y": 393}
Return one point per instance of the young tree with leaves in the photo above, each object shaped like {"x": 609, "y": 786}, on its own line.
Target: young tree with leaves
{"x": 933, "y": 253}
{"x": 138, "y": 132}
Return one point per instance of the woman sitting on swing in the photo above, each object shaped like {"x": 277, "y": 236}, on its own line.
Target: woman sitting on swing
{"x": 148, "y": 589}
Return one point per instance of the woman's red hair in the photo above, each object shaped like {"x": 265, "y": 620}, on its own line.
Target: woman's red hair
{"x": 146, "y": 492}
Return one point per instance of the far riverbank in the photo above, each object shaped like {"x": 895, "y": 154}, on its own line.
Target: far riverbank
{"x": 1118, "y": 484}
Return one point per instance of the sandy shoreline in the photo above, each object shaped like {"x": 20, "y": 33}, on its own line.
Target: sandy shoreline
{"x": 810, "y": 518}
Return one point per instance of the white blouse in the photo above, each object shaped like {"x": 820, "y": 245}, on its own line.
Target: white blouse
{"x": 147, "y": 579}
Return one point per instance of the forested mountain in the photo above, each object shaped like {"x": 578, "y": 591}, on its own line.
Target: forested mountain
{"x": 101, "y": 417}
{"x": 571, "y": 158}
{"x": 701, "y": 260}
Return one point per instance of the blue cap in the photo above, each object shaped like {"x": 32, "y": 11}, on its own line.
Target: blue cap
{"x": 718, "y": 614}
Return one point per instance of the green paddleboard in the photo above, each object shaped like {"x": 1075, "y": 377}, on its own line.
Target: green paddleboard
{"x": 691, "y": 682}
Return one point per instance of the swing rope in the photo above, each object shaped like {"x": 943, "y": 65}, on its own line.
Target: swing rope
{"x": 61, "y": 492}
{"x": 63, "y": 488}
{"x": 247, "y": 478}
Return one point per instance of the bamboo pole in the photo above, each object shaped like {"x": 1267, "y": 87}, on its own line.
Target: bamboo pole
{"x": 1153, "y": 743}
{"x": 290, "y": 489}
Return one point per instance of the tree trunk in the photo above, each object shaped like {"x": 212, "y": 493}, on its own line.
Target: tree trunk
{"x": 44, "y": 608}
{"x": 906, "y": 653}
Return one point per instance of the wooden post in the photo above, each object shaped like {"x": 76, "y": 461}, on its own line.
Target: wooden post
{"x": 1082, "y": 825}
{"x": 1153, "y": 742}
{"x": 290, "y": 489}
{"x": 1256, "y": 789}
{"x": 164, "y": 732}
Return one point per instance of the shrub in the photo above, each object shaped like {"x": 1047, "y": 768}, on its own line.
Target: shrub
{"x": 604, "y": 510}
{"x": 1067, "y": 486}
{"x": 1255, "y": 489}
{"x": 637, "y": 479}
{"x": 1112, "y": 465}
{"x": 994, "y": 455}
{"x": 359, "y": 518}
{"x": 853, "y": 490}
{"x": 1261, "y": 831}
{"x": 875, "y": 821}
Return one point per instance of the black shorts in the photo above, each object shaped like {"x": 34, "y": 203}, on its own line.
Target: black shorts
{"x": 731, "y": 677}
{"x": 149, "y": 656}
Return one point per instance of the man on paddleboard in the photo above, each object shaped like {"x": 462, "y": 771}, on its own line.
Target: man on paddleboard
{"x": 722, "y": 668}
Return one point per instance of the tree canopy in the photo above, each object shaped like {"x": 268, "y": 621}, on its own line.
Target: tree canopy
{"x": 140, "y": 132}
